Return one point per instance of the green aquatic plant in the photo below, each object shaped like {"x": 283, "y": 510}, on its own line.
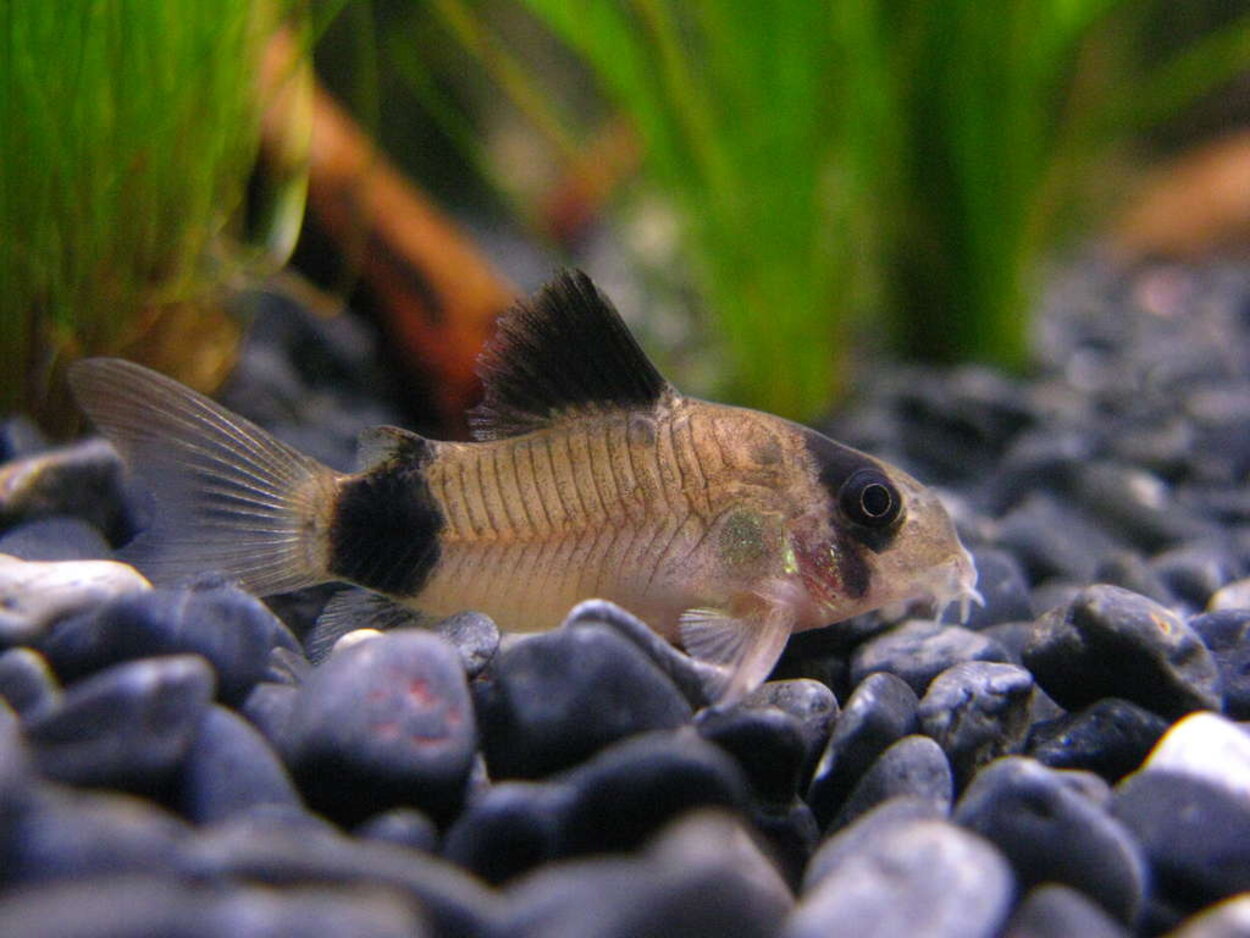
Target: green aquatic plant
{"x": 862, "y": 170}
{"x": 128, "y": 130}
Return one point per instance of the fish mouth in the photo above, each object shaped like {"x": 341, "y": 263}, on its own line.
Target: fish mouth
{"x": 956, "y": 582}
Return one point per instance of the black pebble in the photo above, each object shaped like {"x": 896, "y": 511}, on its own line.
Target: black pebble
{"x": 1054, "y": 911}
{"x": 766, "y": 743}
{"x": 508, "y": 830}
{"x": 1053, "y": 540}
{"x": 1196, "y": 835}
{"x": 914, "y": 768}
{"x": 1052, "y": 832}
{"x": 1193, "y": 572}
{"x": 1003, "y": 586}
{"x": 231, "y": 768}
{"x": 1128, "y": 569}
{"x": 56, "y": 539}
{"x": 1109, "y": 642}
{"x": 269, "y": 708}
{"x": 1227, "y": 635}
{"x": 880, "y": 711}
{"x": 63, "y": 833}
{"x": 126, "y": 727}
{"x": 404, "y": 827}
{"x": 27, "y": 684}
{"x": 385, "y": 723}
{"x": 811, "y": 703}
{"x": 628, "y": 791}
{"x": 557, "y": 698}
{"x": 977, "y": 711}
{"x": 1111, "y": 737}
{"x": 919, "y": 650}
{"x": 231, "y": 629}
{"x": 475, "y": 636}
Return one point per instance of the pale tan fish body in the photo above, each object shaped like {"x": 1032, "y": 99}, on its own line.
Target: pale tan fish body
{"x": 724, "y": 529}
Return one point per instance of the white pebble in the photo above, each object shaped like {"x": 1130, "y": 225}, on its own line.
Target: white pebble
{"x": 1206, "y": 746}
{"x": 34, "y": 594}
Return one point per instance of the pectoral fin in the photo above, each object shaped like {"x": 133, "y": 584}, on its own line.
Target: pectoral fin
{"x": 350, "y": 609}
{"x": 743, "y": 650}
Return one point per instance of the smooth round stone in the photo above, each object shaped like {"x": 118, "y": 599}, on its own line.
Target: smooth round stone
{"x": 767, "y": 744}
{"x": 880, "y": 711}
{"x": 1052, "y": 539}
{"x": 295, "y": 851}
{"x": 810, "y": 702}
{"x": 128, "y": 727}
{"x": 919, "y": 650}
{"x": 1135, "y": 504}
{"x": 82, "y": 480}
{"x": 914, "y": 768}
{"x": 1131, "y": 571}
{"x": 1052, "y": 833}
{"x": 27, "y": 684}
{"x": 1227, "y": 919}
{"x": 1110, "y": 737}
{"x": 509, "y": 829}
{"x": 1054, "y": 911}
{"x": 630, "y": 790}
{"x": 14, "y": 769}
{"x": 866, "y": 830}
{"x": 56, "y": 539}
{"x": 474, "y": 635}
{"x": 231, "y": 768}
{"x": 923, "y": 877}
{"x": 1195, "y": 572}
{"x": 63, "y": 834}
{"x": 977, "y": 711}
{"x": 403, "y": 827}
{"x": 703, "y": 877}
{"x": 229, "y": 628}
{"x": 1195, "y": 833}
{"x": 1207, "y": 747}
{"x": 559, "y": 697}
{"x": 1109, "y": 642}
{"x": 1003, "y": 586}
{"x": 269, "y": 708}
{"x": 1231, "y": 596}
{"x": 386, "y": 723}
{"x": 35, "y": 594}
{"x": 1227, "y": 635}
{"x": 690, "y": 676}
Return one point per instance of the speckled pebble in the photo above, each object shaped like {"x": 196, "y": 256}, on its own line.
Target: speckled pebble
{"x": 384, "y": 724}
{"x": 914, "y": 767}
{"x": 475, "y": 635}
{"x": 1227, "y": 635}
{"x": 1111, "y": 737}
{"x": 977, "y": 711}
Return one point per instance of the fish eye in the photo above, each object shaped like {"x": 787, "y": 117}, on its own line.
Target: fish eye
{"x": 870, "y": 499}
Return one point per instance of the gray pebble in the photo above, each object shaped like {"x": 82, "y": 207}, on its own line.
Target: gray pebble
{"x": 866, "y": 830}
{"x": 1051, "y": 832}
{"x": 476, "y": 637}
{"x": 27, "y": 684}
{"x": 976, "y": 712}
{"x": 919, "y": 650}
{"x": 126, "y": 727}
{"x": 880, "y": 711}
{"x": 914, "y": 767}
{"x": 924, "y": 877}
{"x": 1055, "y": 911}
{"x": 1109, "y": 642}
{"x": 404, "y": 827}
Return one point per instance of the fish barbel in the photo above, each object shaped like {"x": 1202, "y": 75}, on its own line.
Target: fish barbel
{"x": 724, "y": 529}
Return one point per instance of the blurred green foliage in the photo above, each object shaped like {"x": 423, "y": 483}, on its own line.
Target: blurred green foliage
{"x": 851, "y": 169}
{"x": 128, "y": 129}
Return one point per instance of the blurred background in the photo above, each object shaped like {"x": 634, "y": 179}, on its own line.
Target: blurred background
{"x": 777, "y": 195}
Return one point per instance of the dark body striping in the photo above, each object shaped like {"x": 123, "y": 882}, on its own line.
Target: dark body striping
{"x": 386, "y": 526}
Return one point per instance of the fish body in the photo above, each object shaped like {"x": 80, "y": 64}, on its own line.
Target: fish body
{"x": 725, "y": 529}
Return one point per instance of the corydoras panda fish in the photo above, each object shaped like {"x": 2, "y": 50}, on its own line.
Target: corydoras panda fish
{"x": 724, "y": 529}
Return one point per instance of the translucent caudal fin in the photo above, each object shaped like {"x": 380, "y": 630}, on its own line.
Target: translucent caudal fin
{"x": 229, "y": 497}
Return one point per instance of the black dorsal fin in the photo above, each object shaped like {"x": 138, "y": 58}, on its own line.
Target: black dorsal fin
{"x": 561, "y": 351}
